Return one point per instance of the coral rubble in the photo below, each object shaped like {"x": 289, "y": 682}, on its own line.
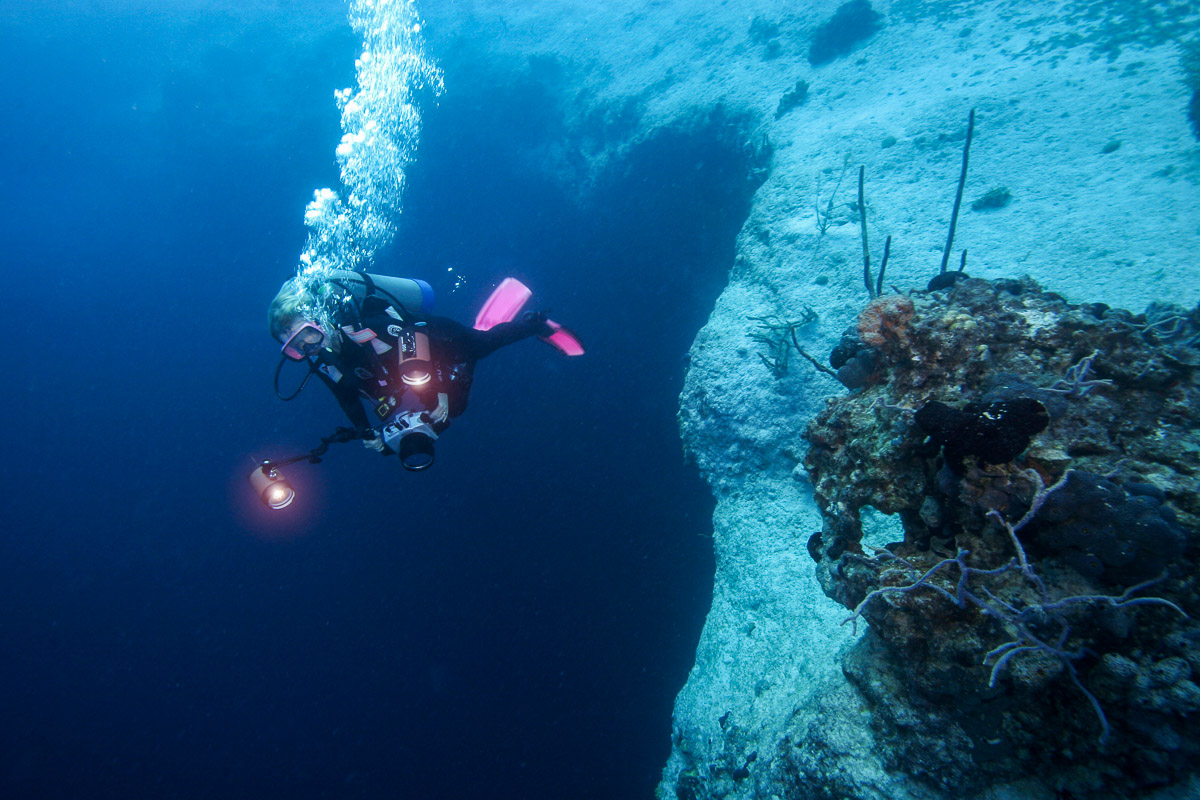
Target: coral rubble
{"x": 1040, "y": 617}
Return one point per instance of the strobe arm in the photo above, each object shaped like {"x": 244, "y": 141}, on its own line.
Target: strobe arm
{"x": 270, "y": 485}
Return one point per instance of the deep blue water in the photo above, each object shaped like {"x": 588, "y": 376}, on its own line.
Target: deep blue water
{"x": 515, "y": 623}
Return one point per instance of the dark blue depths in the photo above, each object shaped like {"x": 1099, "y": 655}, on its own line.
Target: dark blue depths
{"x": 514, "y": 623}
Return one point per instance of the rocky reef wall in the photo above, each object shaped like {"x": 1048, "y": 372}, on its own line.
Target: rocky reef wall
{"x": 1035, "y": 616}
{"x": 1085, "y": 175}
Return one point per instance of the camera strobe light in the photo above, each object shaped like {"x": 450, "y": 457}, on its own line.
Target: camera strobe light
{"x": 272, "y": 488}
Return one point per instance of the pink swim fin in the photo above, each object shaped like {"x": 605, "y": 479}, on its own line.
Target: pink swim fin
{"x": 563, "y": 340}
{"x": 503, "y": 306}
{"x": 507, "y": 301}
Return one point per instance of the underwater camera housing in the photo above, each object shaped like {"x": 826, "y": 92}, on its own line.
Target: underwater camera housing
{"x": 412, "y": 437}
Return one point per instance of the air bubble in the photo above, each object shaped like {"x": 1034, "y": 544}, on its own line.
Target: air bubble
{"x": 390, "y": 71}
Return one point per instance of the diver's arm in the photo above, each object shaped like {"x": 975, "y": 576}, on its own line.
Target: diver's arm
{"x": 348, "y": 399}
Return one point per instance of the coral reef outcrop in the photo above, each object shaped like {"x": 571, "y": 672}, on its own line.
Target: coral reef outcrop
{"x": 1037, "y": 614}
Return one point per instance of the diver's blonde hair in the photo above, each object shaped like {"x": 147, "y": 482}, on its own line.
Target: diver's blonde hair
{"x": 289, "y": 305}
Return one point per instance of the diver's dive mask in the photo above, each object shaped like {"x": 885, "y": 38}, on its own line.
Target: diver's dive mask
{"x": 304, "y": 343}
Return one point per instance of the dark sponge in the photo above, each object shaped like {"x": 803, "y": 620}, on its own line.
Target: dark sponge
{"x": 945, "y": 280}
{"x": 847, "y": 348}
{"x": 995, "y": 433}
{"x": 1104, "y": 531}
{"x": 854, "y": 361}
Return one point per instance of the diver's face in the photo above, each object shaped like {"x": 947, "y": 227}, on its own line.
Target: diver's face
{"x": 304, "y": 340}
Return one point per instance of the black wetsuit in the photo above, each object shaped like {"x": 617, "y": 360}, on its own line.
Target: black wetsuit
{"x": 369, "y": 372}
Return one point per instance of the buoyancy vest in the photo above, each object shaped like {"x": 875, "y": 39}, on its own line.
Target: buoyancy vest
{"x": 394, "y": 357}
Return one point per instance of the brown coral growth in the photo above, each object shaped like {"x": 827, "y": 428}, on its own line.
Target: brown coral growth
{"x": 885, "y": 319}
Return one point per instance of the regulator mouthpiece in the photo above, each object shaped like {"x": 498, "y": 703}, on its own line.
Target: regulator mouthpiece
{"x": 272, "y": 488}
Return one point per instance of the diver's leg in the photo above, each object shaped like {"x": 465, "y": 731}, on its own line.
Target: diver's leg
{"x": 505, "y": 333}
{"x": 472, "y": 345}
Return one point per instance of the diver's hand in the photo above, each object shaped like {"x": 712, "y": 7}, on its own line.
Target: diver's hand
{"x": 439, "y": 414}
{"x": 375, "y": 444}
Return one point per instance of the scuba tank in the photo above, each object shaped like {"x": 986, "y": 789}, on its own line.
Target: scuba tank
{"x": 410, "y": 297}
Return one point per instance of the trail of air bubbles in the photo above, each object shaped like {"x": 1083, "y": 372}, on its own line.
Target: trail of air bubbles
{"x": 381, "y": 125}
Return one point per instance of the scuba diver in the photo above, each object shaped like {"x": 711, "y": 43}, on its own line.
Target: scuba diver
{"x": 369, "y": 338}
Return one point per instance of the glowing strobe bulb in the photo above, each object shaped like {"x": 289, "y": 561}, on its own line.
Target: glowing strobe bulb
{"x": 280, "y": 496}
